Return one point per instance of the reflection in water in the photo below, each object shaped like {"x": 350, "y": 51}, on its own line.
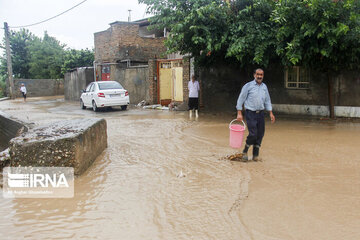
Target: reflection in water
{"x": 307, "y": 186}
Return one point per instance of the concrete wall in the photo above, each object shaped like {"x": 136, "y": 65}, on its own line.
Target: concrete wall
{"x": 77, "y": 80}
{"x": 221, "y": 87}
{"x": 40, "y": 87}
{"x": 135, "y": 80}
{"x": 9, "y": 129}
{"x": 346, "y": 87}
{"x": 70, "y": 143}
{"x": 316, "y": 94}
{"x": 316, "y": 110}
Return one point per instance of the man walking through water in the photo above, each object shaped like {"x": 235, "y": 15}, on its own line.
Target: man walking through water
{"x": 255, "y": 97}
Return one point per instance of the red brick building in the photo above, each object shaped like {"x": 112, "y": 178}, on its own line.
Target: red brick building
{"x": 135, "y": 56}
{"x": 129, "y": 41}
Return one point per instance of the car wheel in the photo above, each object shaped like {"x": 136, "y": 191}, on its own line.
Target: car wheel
{"x": 94, "y": 107}
{"x": 123, "y": 107}
{"x": 82, "y": 104}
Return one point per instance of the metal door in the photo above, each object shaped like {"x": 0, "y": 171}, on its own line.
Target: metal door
{"x": 170, "y": 82}
{"x": 165, "y": 82}
{"x": 105, "y": 73}
{"x": 177, "y": 76}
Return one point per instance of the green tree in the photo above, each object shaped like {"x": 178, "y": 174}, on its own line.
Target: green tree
{"x": 217, "y": 30}
{"x": 20, "y": 54}
{"x": 77, "y": 58}
{"x": 19, "y": 42}
{"x": 34, "y": 57}
{"x": 319, "y": 34}
{"x": 252, "y": 34}
{"x": 322, "y": 35}
{"x": 197, "y": 27}
{"x": 46, "y": 57}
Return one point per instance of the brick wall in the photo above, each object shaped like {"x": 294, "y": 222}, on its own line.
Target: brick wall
{"x": 152, "y": 67}
{"x": 186, "y": 78}
{"x": 122, "y": 41}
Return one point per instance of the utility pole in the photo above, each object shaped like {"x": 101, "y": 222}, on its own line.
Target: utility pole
{"x": 129, "y": 18}
{"x": 9, "y": 64}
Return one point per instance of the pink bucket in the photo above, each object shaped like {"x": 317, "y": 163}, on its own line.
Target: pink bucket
{"x": 236, "y": 134}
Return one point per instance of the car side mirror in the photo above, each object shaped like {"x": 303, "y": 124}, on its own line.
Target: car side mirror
{"x": 83, "y": 91}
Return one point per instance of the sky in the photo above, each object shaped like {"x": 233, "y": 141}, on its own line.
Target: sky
{"x": 75, "y": 28}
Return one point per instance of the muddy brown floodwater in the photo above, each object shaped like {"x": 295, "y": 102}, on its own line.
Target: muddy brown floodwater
{"x": 307, "y": 185}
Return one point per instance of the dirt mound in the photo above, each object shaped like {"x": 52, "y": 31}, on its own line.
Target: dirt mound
{"x": 234, "y": 157}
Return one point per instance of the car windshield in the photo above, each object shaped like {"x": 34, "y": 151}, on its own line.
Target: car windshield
{"x": 109, "y": 85}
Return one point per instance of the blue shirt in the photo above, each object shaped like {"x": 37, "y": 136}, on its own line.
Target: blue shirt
{"x": 256, "y": 97}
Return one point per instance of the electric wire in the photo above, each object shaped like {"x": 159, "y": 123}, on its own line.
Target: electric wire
{"x": 33, "y": 24}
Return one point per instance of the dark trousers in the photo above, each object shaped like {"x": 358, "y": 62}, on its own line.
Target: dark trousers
{"x": 193, "y": 103}
{"x": 256, "y": 125}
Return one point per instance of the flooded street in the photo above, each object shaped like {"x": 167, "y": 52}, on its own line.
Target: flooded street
{"x": 307, "y": 185}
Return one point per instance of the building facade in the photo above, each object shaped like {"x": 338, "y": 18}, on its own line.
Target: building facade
{"x": 135, "y": 55}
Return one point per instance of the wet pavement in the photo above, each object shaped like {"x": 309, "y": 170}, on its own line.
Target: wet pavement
{"x": 163, "y": 176}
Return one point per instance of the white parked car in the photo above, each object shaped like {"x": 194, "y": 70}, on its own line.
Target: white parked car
{"x": 103, "y": 94}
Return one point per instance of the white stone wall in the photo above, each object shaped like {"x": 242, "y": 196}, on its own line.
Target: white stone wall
{"x": 316, "y": 110}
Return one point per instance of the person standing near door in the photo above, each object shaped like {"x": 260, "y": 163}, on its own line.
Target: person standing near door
{"x": 194, "y": 89}
{"x": 256, "y": 99}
